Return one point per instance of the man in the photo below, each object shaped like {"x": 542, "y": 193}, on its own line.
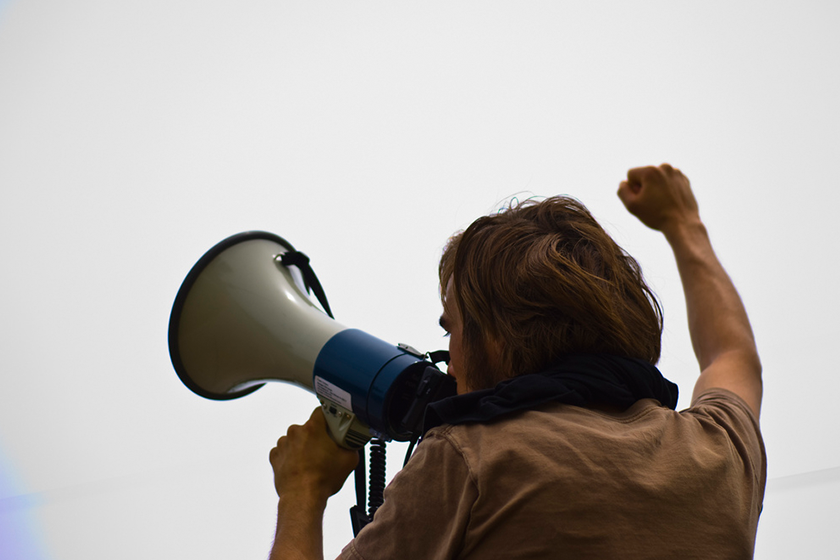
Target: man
{"x": 563, "y": 441}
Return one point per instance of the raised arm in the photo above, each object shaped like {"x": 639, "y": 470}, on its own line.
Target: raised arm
{"x": 723, "y": 340}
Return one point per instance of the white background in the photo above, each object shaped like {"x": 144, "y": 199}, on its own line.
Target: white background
{"x": 136, "y": 135}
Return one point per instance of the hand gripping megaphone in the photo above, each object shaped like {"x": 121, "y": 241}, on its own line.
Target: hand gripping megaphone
{"x": 242, "y": 317}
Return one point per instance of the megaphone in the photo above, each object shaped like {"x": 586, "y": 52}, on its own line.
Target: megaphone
{"x": 242, "y": 317}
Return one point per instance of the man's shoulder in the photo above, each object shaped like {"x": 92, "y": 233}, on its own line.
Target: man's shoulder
{"x": 718, "y": 397}
{"x": 732, "y": 414}
{"x": 727, "y": 409}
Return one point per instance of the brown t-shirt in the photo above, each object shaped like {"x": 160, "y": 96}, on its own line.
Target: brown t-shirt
{"x": 568, "y": 482}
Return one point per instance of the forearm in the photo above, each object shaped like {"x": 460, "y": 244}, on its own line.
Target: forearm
{"x": 717, "y": 320}
{"x": 661, "y": 197}
{"x": 300, "y": 533}
{"x": 308, "y": 468}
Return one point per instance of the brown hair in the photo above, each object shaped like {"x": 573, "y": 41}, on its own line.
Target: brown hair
{"x": 543, "y": 279}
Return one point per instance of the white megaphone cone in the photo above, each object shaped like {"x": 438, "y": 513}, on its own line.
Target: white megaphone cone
{"x": 242, "y": 318}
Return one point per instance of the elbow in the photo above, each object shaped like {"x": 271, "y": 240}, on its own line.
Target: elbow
{"x": 753, "y": 361}
{"x": 750, "y": 362}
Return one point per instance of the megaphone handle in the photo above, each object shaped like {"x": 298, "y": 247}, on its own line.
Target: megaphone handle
{"x": 344, "y": 427}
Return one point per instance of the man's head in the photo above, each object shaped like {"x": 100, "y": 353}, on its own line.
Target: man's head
{"x": 539, "y": 280}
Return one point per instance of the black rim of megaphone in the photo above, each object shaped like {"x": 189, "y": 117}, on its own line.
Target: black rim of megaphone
{"x": 181, "y": 298}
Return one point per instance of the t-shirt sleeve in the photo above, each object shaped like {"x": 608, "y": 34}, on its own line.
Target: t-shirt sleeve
{"x": 731, "y": 412}
{"x": 426, "y": 508}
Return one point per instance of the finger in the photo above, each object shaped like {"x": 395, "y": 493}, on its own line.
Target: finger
{"x": 626, "y": 193}
{"x": 351, "y": 458}
{"x": 638, "y": 175}
{"x": 317, "y": 423}
{"x": 317, "y": 415}
{"x": 622, "y": 190}
{"x": 280, "y": 444}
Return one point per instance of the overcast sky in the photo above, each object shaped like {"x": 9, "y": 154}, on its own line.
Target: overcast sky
{"x": 136, "y": 135}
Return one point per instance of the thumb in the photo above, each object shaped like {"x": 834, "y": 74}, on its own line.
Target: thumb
{"x": 317, "y": 419}
{"x": 628, "y": 193}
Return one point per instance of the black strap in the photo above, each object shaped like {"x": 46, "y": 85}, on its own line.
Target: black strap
{"x": 358, "y": 515}
{"x": 310, "y": 281}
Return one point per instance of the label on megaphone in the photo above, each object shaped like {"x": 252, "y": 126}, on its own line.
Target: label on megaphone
{"x": 333, "y": 393}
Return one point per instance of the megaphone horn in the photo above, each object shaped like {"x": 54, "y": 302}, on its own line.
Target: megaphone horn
{"x": 242, "y": 318}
